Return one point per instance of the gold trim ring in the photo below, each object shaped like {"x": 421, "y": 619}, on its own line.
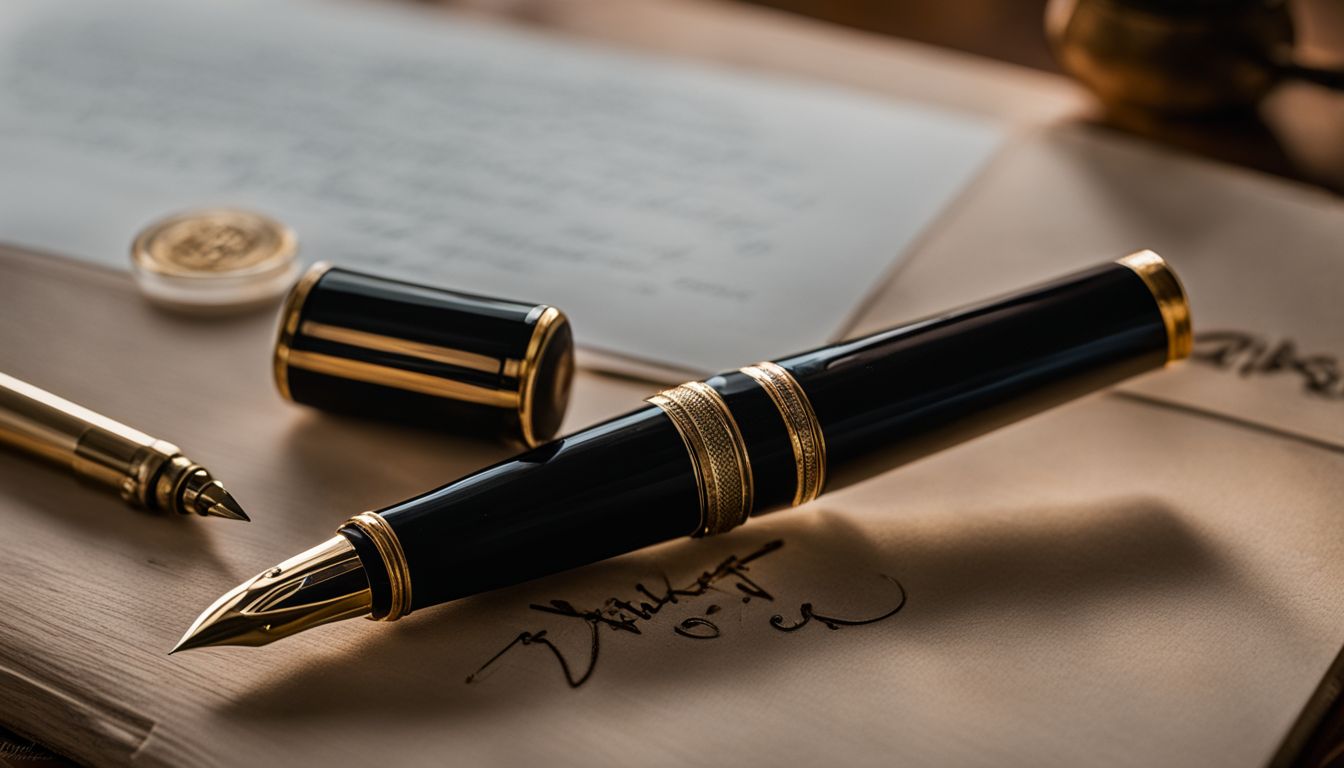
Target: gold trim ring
{"x": 809, "y": 444}
{"x": 549, "y": 321}
{"x": 1171, "y": 300}
{"x": 289, "y": 325}
{"x": 389, "y": 549}
{"x": 718, "y": 454}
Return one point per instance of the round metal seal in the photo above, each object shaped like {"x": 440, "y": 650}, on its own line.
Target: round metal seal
{"x": 217, "y": 258}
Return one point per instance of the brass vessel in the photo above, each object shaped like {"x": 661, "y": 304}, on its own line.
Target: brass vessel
{"x": 1174, "y": 56}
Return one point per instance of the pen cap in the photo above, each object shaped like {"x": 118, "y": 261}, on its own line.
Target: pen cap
{"x": 360, "y": 344}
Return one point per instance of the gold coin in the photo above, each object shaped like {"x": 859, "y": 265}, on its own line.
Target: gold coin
{"x": 217, "y": 242}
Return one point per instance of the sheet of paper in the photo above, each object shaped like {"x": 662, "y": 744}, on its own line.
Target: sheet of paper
{"x": 1260, "y": 259}
{"x": 683, "y": 216}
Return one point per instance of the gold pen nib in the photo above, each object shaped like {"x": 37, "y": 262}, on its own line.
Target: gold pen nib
{"x": 214, "y": 500}
{"x": 187, "y": 488}
{"x": 322, "y": 585}
{"x": 204, "y": 495}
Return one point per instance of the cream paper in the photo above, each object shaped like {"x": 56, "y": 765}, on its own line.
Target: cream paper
{"x": 674, "y": 211}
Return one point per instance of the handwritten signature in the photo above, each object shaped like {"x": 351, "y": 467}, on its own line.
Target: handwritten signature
{"x": 1250, "y": 355}
{"x": 623, "y": 615}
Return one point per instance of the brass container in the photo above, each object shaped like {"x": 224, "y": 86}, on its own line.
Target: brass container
{"x": 1174, "y": 56}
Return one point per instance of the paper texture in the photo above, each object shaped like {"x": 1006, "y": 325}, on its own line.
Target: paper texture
{"x": 1117, "y": 582}
{"x": 675, "y": 212}
{"x": 1260, "y": 259}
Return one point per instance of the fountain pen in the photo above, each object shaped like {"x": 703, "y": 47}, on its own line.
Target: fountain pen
{"x": 700, "y": 458}
{"x": 147, "y": 472}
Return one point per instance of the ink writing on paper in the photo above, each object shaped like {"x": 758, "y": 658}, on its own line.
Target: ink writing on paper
{"x": 634, "y": 616}
{"x": 1250, "y": 355}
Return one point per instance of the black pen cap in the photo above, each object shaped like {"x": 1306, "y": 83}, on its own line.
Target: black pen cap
{"x": 360, "y": 344}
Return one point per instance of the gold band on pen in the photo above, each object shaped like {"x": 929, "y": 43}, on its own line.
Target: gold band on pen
{"x": 718, "y": 454}
{"x": 1171, "y": 300}
{"x": 528, "y": 369}
{"x": 289, "y": 325}
{"x": 389, "y": 549}
{"x": 549, "y": 321}
{"x": 431, "y": 352}
{"x": 809, "y": 444}
{"x": 410, "y": 381}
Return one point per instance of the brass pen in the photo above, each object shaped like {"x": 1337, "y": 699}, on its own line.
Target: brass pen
{"x": 147, "y": 472}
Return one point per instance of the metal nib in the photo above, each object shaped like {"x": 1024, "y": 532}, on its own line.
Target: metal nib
{"x": 206, "y": 496}
{"x": 322, "y": 585}
{"x": 221, "y": 503}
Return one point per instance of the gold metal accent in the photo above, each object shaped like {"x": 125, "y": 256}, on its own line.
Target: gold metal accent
{"x": 216, "y": 242}
{"x": 718, "y": 454}
{"x": 549, "y": 320}
{"x": 146, "y": 472}
{"x": 1171, "y": 300}
{"x": 289, "y": 325}
{"x": 1143, "y": 58}
{"x": 410, "y": 381}
{"x": 322, "y": 585}
{"x": 809, "y": 444}
{"x": 389, "y": 549}
{"x": 50, "y": 426}
{"x": 432, "y": 352}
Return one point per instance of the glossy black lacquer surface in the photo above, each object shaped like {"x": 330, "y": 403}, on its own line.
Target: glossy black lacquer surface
{"x": 609, "y": 489}
{"x": 487, "y": 332}
{"x": 902, "y": 394}
{"x": 881, "y": 400}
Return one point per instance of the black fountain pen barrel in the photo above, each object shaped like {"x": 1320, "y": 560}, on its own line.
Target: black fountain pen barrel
{"x": 704, "y": 456}
{"x": 899, "y": 395}
{"x": 601, "y": 492}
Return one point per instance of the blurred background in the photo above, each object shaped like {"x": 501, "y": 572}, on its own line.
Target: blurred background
{"x": 1011, "y": 30}
{"x": 1295, "y": 131}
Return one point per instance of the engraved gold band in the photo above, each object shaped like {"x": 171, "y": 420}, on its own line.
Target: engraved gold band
{"x": 718, "y": 454}
{"x": 809, "y": 445}
{"x": 389, "y": 549}
{"x": 1171, "y": 300}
